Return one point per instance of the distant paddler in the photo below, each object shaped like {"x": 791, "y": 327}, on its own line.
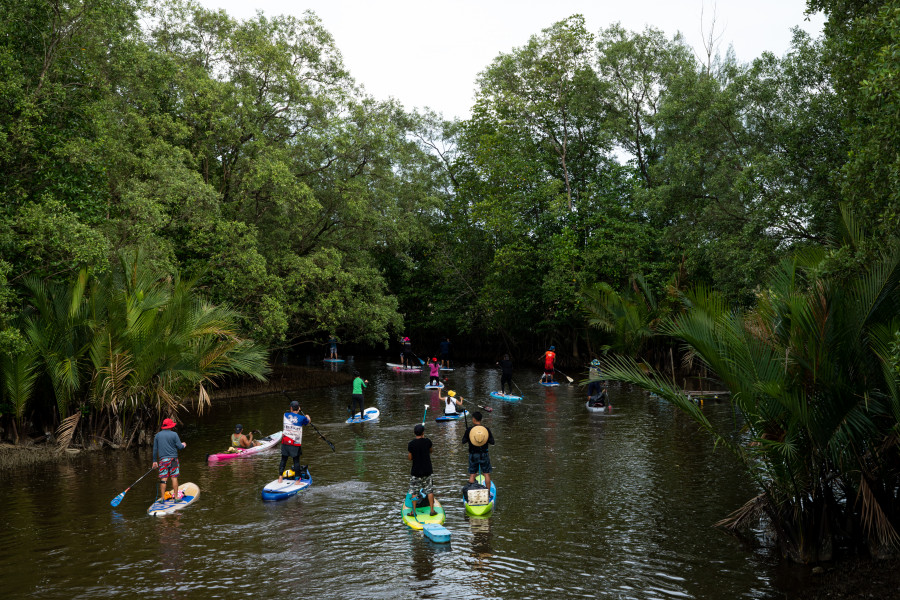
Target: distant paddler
{"x": 166, "y": 445}
{"x": 452, "y": 404}
{"x": 549, "y": 369}
{"x": 239, "y": 440}
{"x": 357, "y": 398}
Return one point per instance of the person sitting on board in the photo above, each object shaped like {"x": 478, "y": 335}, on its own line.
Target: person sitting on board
{"x": 166, "y": 445}
{"x": 420, "y": 476}
{"x": 434, "y": 372}
{"x": 406, "y": 355}
{"x": 549, "y": 358}
{"x": 445, "y": 353}
{"x": 505, "y": 374}
{"x": 452, "y": 405}
{"x": 358, "y": 384}
{"x": 332, "y": 341}
{"x": 239, "y": 440}
{"x": 594, "y": 392}
{"x": 479, "y": 437}
{"x": 292, "y": 438}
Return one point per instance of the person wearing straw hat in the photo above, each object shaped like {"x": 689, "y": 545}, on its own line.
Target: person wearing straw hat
{"x": 166, "y": 445}
{"x": 479, "y": 438}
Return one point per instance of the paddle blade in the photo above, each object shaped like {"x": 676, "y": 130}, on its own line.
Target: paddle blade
{"x": 117, "y": 500}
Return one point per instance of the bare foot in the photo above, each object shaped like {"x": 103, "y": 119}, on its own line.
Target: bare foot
{"x": 433, "y": 514}
{"x": 280, "y": 478}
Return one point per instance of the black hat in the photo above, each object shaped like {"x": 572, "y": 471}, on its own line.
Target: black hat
{"x": 295, "y": 404}
{"x": 238, "y": 427}
{"x": 419, "y": 429}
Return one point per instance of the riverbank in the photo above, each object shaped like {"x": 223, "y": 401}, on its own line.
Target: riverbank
{"x": 848, "y": 579}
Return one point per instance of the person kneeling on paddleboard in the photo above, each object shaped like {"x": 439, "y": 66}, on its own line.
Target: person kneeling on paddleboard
{"x": 479, "y": 437}
{"x": 239, "y": 440}
{"x": 166, "y": 445}
{"x": 452, "y": 405}
{"x": 420, "y": 476}
{"x": 292, "y": 438}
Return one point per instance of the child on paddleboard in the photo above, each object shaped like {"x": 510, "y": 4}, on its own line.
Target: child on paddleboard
{"x": 420, "y": 476}
{"x": 166, "y": 445}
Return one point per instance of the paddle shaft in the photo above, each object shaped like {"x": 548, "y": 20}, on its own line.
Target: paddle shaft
{"x": 118, "y": 499}
{"x": 564, "y": 375}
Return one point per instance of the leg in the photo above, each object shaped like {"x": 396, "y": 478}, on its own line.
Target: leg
{"x": 431, "y": 504}
{"x": 174, "y": 488}
{"x": 162, "y": 489}
{"x": 281, "y": 467}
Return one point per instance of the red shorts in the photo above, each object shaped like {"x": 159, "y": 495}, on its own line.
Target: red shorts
{"x": 168, "y": 467}
{"x": 548, "y": 370}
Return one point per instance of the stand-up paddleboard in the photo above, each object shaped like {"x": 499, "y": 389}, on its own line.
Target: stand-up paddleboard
{"x": 481, "y": 509}
{"x": 423, "y": 520}
{"x": 455, "y": 417}
{"x": 550, "y": 384}
{"x": 598, "y": 409}
{"x": 406, "y": 369}
{"x": 447, "y": 369}
{"x": 370, "y": 414}
{"x": 439, "y": 386}
{"x": 165, "y": 507}
{"x": 333, "y": 360}
{"x": 274, "y": 491}
{"x": 265, "y": 443}
{"x": 508, "y": 397}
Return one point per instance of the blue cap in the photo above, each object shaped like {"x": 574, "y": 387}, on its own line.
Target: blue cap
{"x": 238, "y": 427}
{"x": 553, "y": 347}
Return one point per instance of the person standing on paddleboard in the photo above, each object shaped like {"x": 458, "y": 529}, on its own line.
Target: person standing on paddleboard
{"x": 291, "y": 438}
{"x": 332, "y": 343}
{"x": 166, "y": 445}
{"x": 445, "y": 353}
{"x": 549, "y": 370}
{"x": 479, "y": 437}
{"x": 358, "y": 384}
{"x": 406, "y": 356}
{"x": 420, "y": 476}
{"x": 505, "y": 374}
{"x": 434, "y": 372}
{"x": 239, "y": 440}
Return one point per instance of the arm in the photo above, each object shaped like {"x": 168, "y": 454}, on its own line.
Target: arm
{"x": 410, "y": 455}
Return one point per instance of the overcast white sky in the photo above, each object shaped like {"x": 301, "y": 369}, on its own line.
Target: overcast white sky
{"x": 430, "y": 53}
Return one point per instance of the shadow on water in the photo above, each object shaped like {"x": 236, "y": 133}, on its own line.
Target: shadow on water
{"x": 589, "y": 505}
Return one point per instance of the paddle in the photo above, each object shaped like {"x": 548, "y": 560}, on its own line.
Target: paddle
{"x": 423, "y": 415}
{"x": 421, "y": 362}
{"x": 316, "y": 429}
{"x": 566, "y": 376}
{"x": 118, "y": 499}
{"x": 518, "y": 388}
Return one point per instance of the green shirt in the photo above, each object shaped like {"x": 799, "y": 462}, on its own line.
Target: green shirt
{"x": 358, "y": 385}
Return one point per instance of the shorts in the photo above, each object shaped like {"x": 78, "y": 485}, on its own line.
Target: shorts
{"x": 445, "y": 356}
{"x": 548, "y": 370}
{"x": 479, "y": 459}
{"x": 292, "y": 451}
{"x": 168, "y": 467}
{"x": 420, "y": 483}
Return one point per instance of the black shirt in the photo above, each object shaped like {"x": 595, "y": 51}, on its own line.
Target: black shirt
{"x": 506, "y": 367}
{"x": 477, "y": 449}
{"x": 420, "y": 448}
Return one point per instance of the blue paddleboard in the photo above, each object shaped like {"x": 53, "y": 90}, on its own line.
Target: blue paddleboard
{"x": 509, "y": 397}
{"x": 370, "y": 414}
{"x": 333, "y": 360}
{"x": 274, "y": 491}
{"x": 551, "y": 384}
{"x": 455, "y": 417}
{"x": 439, "y": 386}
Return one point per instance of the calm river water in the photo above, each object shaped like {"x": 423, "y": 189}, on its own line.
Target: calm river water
{"x": 594, "y": 506}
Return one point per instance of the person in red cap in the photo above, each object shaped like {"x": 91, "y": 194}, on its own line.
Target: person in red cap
{"x": 166, "y": 445}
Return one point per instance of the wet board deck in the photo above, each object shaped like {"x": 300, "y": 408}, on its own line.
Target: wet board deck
{"x": 439, "y": 386}
{"x": 447, "y": 369}
{"x": 333, "y": 360}
{"x": 423, "y": 514}
{"x": 507, "y": 397}
{"x": 551, "y": 384}
{"x": 455, "y": 417}
{"x": 481, "y": 510}
{"x": 598, "y": 409}
{"x": 274, "y": 491}
{"x": 265, "y": 443}
{"x": 166, "y": 507}
{"x": 370, "y": 414}
{"x": 409, "y": 370}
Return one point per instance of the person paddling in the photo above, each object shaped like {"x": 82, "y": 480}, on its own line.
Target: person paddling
{"x": 332, "y": 347}
{"x": 358, "y": 384}
{"x": 406, "y": 356}
{"x": 420, "y": 476}
{"x": 549, "y": 360}
{"x": 239, "y": 440}
{"x": 434, "y": 372}
{"x": 292, "y": 438}
{"x": 452, "y": 404}
{"x": 479, "y": 437}
{"x": 505, "y": 374}
{"x": 445, "y": 353}
{"x": 166, "y": 445}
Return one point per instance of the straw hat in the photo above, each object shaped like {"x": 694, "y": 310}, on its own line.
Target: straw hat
{"x": 479, "y": 435}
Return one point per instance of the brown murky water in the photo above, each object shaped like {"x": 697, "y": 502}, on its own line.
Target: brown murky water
{"x": 596, "y": 506}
